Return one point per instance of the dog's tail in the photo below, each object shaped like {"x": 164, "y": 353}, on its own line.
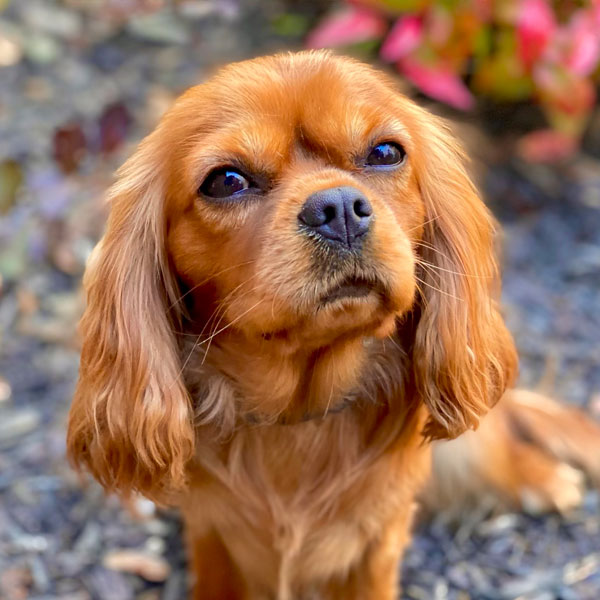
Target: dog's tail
{"x": 529, "y": 453}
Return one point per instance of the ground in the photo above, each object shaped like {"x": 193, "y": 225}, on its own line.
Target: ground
{"x": 78, "y": 87}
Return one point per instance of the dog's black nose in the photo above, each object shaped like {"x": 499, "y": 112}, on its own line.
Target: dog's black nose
{"x": 340, "y": 214}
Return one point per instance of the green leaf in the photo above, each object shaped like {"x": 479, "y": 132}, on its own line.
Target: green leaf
{"x": 11, "y": 179}
{"x": 401, "y": 6}
{"x": 365, "y": 49}
{"x": 290, "y": 25}
{"x": 482, "y": 44}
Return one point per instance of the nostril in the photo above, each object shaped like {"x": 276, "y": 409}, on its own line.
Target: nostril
{"x": 359, "y": 208}
{"x": 330, "y": 213}
{"x": 362, "y": 208}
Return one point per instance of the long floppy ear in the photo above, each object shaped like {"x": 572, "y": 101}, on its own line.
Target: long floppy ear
{"x": 463, "y": 355}
{"x": 130, "y": 422}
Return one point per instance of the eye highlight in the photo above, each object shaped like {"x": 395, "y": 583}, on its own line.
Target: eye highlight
{"x": 386, "y": 154}
{"x": 224, "y": 182}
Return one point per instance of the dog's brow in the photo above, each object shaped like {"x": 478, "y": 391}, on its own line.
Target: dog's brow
{"x": 244, "y": 144}
{"x": 394, "y": 129}
{"x": 364, "y": 125}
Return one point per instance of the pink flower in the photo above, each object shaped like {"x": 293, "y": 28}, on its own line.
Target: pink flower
{"x": 347, "y": 27}
{"x": 438, "y": 82}
{"x": 535, "y": 27}
{"x": 403, "y": 38}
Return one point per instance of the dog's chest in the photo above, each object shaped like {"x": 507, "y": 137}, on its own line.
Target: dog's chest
{"x": 301, "y": 504}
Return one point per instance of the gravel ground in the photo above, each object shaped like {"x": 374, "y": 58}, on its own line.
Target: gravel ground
{"x": 77, "y": 88}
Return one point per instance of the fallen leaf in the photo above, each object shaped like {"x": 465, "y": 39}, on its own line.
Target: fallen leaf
{"x": 69, "y": 146}
{"x": 11, "y": 179}
{"x": 5, "y": 390}
{"x": 114, "y": 125}
{"x": 144, "y": 564}
{"x": 10, "y": 51}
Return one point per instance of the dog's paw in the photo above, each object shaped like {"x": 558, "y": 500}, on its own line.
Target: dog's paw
{"x": 562, "y": 489}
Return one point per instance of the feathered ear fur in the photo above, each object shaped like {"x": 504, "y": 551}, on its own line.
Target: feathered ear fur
{"x": 463, "y": 356}
{"x": 130, "y": 423}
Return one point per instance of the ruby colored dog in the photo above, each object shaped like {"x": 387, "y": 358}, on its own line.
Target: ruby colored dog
{"x": 296, "y": 293}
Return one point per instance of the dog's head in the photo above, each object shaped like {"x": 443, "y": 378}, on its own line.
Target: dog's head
{"x": 290, "y": 208}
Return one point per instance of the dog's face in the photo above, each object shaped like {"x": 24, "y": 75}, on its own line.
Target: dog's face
{"x": 296, "y": 212}
{"x": 295, "y": 206}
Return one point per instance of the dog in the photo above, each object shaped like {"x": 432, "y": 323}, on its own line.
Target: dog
{"x": 294, "y": 304}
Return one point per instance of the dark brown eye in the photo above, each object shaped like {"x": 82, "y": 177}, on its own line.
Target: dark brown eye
{"x": 387, "y": 154}
{"x": 224, "y": 182}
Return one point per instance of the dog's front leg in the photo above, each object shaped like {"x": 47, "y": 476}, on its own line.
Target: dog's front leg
{"x": 213, "y": 574}
{"x": 375, "y": 577}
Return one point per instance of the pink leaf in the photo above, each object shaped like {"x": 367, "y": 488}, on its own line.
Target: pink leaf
{"x": 584, "y": 52}
{"x": 485, "y": 9}
{"x": 348, "y": 27}
{"x": 563, "y": 90}
{"x": 535, "y": 27}
{"x": 594, "y": 12}
{"x": 439, "y": 83}
{"x": 402, "y": 39}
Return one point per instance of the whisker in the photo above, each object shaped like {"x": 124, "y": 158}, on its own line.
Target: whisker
{"x": 434, "y": 218}
{"x": 431, "y": 265}
{"x": 438, "y": 290}
{"x": 220, "y": 306}
{"x": 223, "y": 309}
{"x": 394, "y": 343}
{"x": 214, "y": 333}
{"x": 332, "y": 369}
{"x": 232, "y": 322}
{"x": 208, "y": 279}
{"x": 430, "y": 247}
{"x": 210, "y": 339}
{"x": 421, "y": 293}
{"x": 428, "y": 271}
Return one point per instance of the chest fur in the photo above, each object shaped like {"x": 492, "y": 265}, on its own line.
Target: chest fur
{"x": 302, "y": 503}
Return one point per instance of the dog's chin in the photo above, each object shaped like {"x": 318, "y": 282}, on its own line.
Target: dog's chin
{"x": 362, "y": 307}
{"x": 353, "y": 290}
{"x": 340, "y": 309}
{"x": 354, "y": 307}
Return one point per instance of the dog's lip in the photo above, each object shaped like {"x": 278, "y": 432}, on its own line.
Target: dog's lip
{"x": 351, "y": 287}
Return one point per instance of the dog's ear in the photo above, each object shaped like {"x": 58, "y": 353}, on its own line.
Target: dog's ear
{"x": 130, "y": 423}
{"x": 463, "y": 356}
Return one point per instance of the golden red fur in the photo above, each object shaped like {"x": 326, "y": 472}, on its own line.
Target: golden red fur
{"x": 289, "y": 429}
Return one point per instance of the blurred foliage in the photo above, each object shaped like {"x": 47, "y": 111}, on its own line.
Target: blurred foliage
{"x": 506, "y": 50}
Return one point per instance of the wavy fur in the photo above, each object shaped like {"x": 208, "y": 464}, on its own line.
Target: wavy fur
{"x": 290, "y": 430}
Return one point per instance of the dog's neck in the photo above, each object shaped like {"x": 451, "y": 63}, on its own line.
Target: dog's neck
{"x": 272, "y": 384}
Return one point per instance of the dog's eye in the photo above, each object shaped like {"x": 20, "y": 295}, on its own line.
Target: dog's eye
{"x": 386, "y": 154}
{"x": 224, "y": 182}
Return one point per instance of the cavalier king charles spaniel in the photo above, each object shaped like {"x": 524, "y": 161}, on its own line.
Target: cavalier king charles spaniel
{"x": 295, "y": 296}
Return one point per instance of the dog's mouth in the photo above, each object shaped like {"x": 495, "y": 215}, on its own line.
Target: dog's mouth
{"x": 349, "y": 288}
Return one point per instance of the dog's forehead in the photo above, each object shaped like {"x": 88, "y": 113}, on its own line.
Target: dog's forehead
{"x": 297, "y": 80}
{"x": 314, "y": 95}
